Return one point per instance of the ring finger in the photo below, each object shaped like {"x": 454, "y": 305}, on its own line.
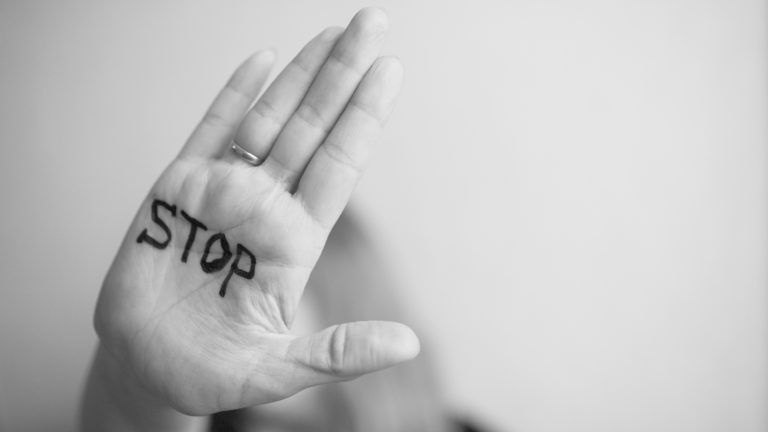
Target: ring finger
{"x": 262, "y": 124}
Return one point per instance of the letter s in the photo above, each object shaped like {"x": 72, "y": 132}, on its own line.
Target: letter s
{"x": 144, "y": 237}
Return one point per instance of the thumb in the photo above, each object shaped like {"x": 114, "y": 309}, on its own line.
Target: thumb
{"x": 346, "y": 351}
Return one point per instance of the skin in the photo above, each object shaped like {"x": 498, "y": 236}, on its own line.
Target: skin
{"x": 170, "y": 346}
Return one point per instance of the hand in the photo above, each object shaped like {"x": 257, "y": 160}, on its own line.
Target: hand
{"x": 199, "y": 300}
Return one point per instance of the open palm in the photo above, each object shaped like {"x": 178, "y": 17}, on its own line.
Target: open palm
{"x": 200, "y": 298}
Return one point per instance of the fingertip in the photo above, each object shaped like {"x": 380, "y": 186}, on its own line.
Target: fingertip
{"x": 257, "y": 64}
{"x": 391, "y": 68}
{"x": 265, "y": 57}
{"x": 381, "y": 87}
{"x": 375, "y": 345}
{"x": 371, "y": 19}
{"x": 250, "y": 76}
{"x": 405, "y": 343}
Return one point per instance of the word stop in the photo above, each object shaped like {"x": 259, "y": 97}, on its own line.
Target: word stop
{"x": 207, "y": 264}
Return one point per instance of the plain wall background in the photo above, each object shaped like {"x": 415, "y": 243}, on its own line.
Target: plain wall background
{"x": 573, "y": 193}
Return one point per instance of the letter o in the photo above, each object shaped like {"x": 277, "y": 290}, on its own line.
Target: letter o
{"x": 218, "y": 263}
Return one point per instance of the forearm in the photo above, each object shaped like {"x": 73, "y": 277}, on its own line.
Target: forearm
{"x": 114, "y": 401}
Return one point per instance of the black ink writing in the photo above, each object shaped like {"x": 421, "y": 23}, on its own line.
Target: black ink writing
{"x": 234, "y": 269}
{"x": 145, "y": 237}
{"x": 194, "y": 224}
{"x": 212, "y": 260}
{"x": 220, "y": 262}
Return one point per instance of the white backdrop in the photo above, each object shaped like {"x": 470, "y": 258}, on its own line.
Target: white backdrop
{"x": 574, "y": 193}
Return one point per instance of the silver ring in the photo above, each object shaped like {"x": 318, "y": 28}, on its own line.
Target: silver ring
{"x": 245, "y": 155}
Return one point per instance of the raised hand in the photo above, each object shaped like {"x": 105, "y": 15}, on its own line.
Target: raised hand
{"x": 199, "y": 300}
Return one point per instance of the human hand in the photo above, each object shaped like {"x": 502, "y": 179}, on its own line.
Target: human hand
{"x": 199, "y": 300}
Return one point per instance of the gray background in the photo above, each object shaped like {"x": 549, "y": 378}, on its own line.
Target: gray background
{"x": 572, "y": 192}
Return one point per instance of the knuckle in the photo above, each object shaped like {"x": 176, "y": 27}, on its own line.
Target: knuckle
{"x": 346, "y": 62}
{"x": 216, "y": 119}
{"x": 330, "y": 34}
{"x": 336, "y": 353}
{"x": 337, "y": 154}
{"x": 310, "y": 115}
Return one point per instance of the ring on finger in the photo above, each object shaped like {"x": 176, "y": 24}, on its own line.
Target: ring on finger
{"x": 245, "y": 155}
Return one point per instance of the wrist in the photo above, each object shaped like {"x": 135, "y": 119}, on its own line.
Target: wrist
{"x": 115, "y": 400}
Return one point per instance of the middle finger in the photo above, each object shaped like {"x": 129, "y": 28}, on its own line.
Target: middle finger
{"x": 337, "y": 80}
